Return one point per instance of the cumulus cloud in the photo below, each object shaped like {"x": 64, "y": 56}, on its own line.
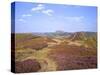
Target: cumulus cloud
{"x": 75, "y": 18}
{"x": 21, "y": 20}
{"x": 77, "y": 22}
{"x": 42, "y": 9}
{"x": 38, "y": 8}
{"x": 26, "y": 15}
{"x": 72, "y": 20}
{"x": 48, "y": 12}
{"x": 40, "y": 5}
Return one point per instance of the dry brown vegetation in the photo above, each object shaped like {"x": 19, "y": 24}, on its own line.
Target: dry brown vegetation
{"x": 73, "y": 57}
{"x": 29, "y": 65}
{"x": 41, "y": 53}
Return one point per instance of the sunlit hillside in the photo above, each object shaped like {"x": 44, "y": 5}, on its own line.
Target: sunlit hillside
{"x": 61, "y": 51}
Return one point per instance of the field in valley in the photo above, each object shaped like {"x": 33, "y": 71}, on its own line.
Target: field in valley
{"x": 41, "y": 52}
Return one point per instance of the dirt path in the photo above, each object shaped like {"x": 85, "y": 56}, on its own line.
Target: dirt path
{"x": 74, "y": 43}
{"x": 58, "y": 41}
{"x": 42, "y": 57}
{"x": 69, "y": 42}
{"x": 46, "y": 63}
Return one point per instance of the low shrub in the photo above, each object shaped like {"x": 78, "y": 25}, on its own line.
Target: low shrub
{"x": 29, "y": 65}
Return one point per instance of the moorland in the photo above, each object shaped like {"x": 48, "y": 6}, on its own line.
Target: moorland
{"x": 55, "y": 51}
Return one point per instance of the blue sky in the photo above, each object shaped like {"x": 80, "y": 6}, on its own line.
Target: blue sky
{"x": 39, "y": 17}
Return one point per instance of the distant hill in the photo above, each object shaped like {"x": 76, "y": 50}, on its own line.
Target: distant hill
{"x": 53, "y": 34}
{"x": 82, "y": 35}
{"x": 73, "y": 36}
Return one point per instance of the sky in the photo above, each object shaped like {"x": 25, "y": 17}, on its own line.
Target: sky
{"x": 43, "y": 17}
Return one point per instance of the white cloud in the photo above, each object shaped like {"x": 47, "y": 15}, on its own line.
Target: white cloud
{"x": 38, "y": 8}
{"x": 75, "y": 18}
{"x": 48, "y": 12}
{"x": 40, "y": 5}
{"x": 42, "y": 9}
{"x": 75, "y": 21}
{"x": 72, "y": 20}
{"x": 26, "y": 15}
{"x": 21, "y": 20}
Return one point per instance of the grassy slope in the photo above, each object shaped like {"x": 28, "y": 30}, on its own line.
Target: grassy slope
{"x": 56, "y": 54}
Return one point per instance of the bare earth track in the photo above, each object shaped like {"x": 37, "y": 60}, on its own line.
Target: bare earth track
{"x": 54, "y": 54}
